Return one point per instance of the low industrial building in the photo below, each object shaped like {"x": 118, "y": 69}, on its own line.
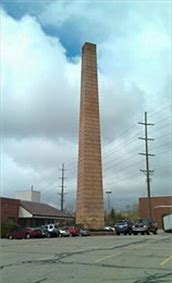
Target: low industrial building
{"x": 31, "y": 213}
{"x": 161, "y": 205}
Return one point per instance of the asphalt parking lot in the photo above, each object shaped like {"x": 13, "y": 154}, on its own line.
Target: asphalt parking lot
{"x": 121, "y": 259}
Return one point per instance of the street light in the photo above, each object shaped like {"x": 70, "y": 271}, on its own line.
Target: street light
{"x": 108, "y": 194}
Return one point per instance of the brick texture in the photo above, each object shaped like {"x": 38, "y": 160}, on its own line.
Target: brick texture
{"x": 9, "y": 210}
{"x": 161, "y": 205}
{"x": 90, "y": 207}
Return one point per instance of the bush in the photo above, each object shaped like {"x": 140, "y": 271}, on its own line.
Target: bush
{"x": 7, "y": 228}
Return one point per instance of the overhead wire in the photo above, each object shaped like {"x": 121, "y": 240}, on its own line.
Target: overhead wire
{"x": 125, "y": 131}
{"x": 110, "y": 148}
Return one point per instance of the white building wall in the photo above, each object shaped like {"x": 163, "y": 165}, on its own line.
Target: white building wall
{"x": 34, "y": 196}
{"x": 23, "y": 213}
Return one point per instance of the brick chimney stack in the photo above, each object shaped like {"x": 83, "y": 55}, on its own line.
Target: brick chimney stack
{"x": 90, "y": 205}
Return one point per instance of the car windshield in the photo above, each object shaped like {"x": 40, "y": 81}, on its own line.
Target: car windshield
{"x": 122, "y": 223}
{"x": 146, "y": 221}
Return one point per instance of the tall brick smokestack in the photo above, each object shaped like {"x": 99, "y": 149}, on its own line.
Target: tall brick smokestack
{"x": 90, "y": 206}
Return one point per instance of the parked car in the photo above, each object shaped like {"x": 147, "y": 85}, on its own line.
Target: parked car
{"x": 109, "y": 229}
{"x": 123, "y": 227}
{"x": 50, "y": 230}
{"x": 84, "y": 232}
{"x": 145, "y": 226}
{"x": 25, "y": 233}
{"x": 63, "y": 232}
{"x": 73, "y": 230}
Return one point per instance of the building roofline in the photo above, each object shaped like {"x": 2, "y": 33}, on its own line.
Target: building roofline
{"x": 153, "y": 197}
{"x": 15, "y": 199}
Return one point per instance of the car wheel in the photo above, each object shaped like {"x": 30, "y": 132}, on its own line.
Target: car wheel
{"x": 117, "y": 233}
{"x": 135, "y": 233}
{"x": 147, "y": 233}
{"x": 28, "y": 236}
{"x": 10, "y": 237}
{"x": 155, "y": 232}
{"x": 143, "y": 233}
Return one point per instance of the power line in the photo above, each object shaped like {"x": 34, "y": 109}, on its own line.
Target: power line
{"x": 122, "y": 178}
{"x": 107, "y": 152}
{"x": 123, "y": 144}
{"x": 133, "y": 125}
{"x": 161, "y": 110}
{"x": 127, "y": 166}
{"x": 162, "y": 152}
{"x": 121, "y": 134}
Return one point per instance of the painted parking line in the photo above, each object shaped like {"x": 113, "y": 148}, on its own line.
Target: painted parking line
{"x": 108, "y": 256}
{"x": 119, "y": 253}
{"x": 165, "y": 261}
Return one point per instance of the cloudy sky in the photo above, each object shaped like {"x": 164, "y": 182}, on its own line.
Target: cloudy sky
{"x": 40, "y": 92}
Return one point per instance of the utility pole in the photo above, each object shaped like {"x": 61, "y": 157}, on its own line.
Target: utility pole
{"x": 147, "y": 172}
{"x": 62, "y": 187}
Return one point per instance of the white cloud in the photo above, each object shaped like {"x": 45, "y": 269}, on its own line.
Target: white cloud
{"x": 40, "y": 95}
{"x": 39, "y": 154}
{"x": 37, "y": 81}
{"x": 57, "y": 13}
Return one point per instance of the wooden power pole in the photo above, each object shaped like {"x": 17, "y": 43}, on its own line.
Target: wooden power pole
{"x": 147, "y": 171}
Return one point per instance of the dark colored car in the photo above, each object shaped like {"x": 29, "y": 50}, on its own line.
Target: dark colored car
{"x": 73, "y": 230}
{"x": 123, "y": 227}
{"x": 145, "y": 226}
{"x": 50, "y": 230}
{"x": 25, "y": 233}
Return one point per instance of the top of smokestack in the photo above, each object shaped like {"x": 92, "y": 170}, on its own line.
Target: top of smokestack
{"x": 89, "y": 45}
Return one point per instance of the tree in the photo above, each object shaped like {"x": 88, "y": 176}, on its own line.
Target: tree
{"x": 131, "y": 213}
{"x": 113, "y": 217}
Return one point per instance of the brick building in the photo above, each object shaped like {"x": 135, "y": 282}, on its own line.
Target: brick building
{"x": 9, "y": 210}
{"x": 161, "y": 205}
{"x": 29, "y": 213}
{"x": 35, "y": 214}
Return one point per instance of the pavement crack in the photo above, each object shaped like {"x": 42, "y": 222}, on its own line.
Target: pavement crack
{"x": 93, "y": 264}
{"x": 40, "y": 280}
{"x": 61, "y": 256}
{"x": 155, "y": 278}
